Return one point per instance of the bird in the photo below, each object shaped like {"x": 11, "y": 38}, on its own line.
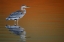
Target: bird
{"x": 18, "y": 14}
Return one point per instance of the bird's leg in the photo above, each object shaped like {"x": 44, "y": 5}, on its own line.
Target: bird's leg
{"x": 15, "y": 22}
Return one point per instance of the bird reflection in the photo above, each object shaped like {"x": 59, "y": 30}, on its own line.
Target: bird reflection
{"x": 17, "y": 30}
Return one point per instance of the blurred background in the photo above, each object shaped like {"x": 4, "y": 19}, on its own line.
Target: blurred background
{"x": 43, "y": 22}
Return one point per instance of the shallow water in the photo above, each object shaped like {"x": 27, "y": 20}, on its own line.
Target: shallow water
{"x": 43, "y": 22}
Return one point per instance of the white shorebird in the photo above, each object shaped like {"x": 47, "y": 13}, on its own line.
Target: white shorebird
{"x": 18, "y": 14}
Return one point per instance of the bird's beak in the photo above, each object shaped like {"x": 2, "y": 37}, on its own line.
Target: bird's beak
{"x": 27, "y": 7}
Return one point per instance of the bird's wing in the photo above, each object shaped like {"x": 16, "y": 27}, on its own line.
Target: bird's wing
{"x": 15, "y": 15}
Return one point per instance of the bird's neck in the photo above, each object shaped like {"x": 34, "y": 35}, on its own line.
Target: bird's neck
{"x": 23, "y": 11}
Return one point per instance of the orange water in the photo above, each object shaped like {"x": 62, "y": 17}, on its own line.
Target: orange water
{"x": 43, "y": 22}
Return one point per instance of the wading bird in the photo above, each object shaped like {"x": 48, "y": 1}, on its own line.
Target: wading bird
{"x": 18, "y": 14}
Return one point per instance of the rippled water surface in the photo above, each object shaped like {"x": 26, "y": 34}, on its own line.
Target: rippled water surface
{"x": 43, "y": 22}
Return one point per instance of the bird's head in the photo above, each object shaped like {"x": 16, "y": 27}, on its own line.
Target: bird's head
{"x": 24, "y": 6}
